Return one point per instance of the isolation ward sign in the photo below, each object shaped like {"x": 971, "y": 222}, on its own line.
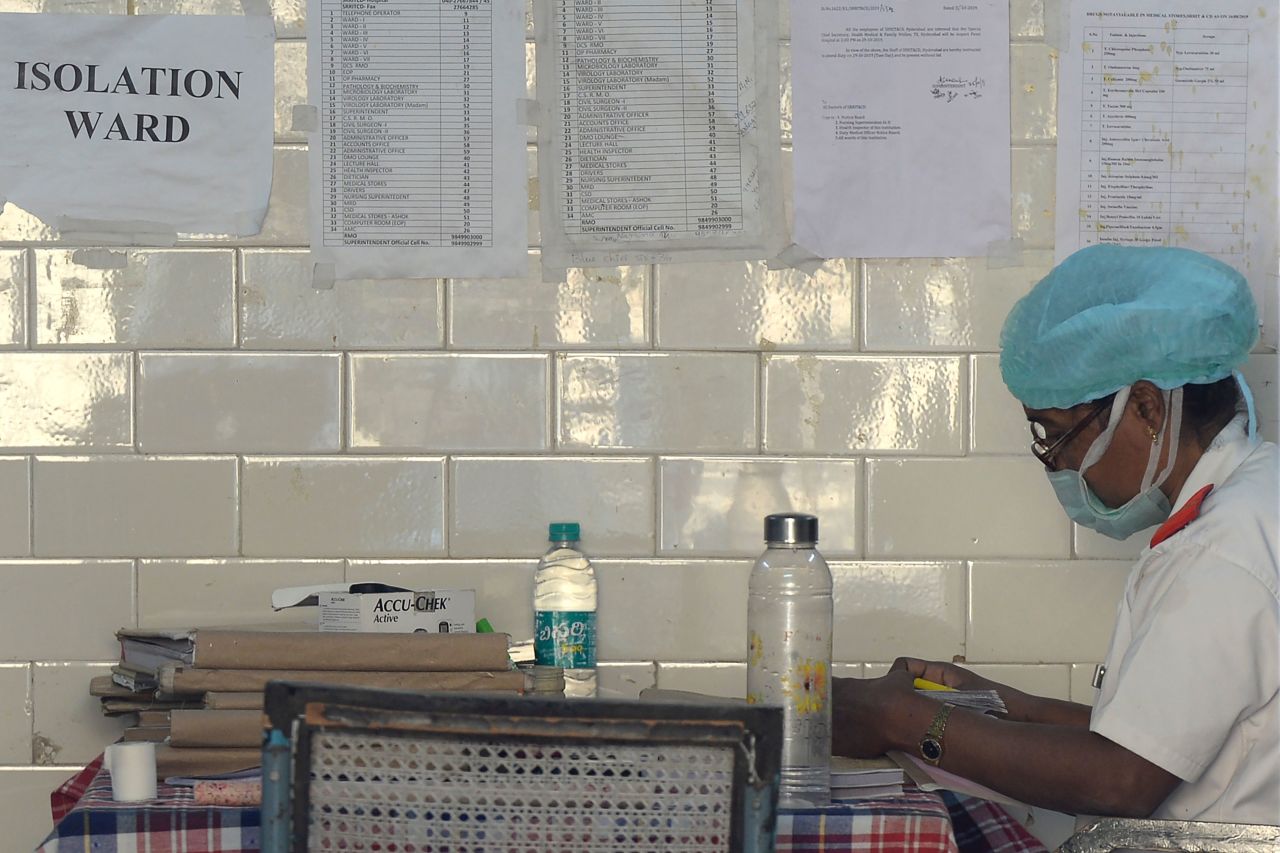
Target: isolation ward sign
{"x": 143, "y": 123}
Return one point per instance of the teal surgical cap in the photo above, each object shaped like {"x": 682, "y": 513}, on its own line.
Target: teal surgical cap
{"x": 1108, "y": 316}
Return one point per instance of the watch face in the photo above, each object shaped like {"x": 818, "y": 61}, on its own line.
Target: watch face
{"x": 931, "y": 749}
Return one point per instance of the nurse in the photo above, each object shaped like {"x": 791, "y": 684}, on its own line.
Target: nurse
{"x": 1126, "y": 362}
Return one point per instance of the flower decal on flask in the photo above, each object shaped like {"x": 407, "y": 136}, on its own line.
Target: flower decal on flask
{"x": 806, "y": 686}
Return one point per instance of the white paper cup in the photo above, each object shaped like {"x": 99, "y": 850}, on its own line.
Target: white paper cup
{"x": 133, "y": 771}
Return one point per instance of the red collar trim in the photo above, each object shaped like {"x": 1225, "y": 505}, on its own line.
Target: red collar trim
{"x": 1190, "y": 512}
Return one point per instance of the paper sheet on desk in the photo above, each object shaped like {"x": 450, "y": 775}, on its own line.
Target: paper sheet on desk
{"x": 929, "y": 778}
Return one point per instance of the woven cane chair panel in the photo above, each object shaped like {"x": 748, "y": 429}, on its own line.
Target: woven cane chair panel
{"x": 377, "y": 792}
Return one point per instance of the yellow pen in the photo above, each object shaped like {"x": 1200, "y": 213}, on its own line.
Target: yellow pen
{"x": 923, "y": 684}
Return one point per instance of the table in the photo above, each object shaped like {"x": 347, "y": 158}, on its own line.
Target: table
{"x": 86, "y": 819}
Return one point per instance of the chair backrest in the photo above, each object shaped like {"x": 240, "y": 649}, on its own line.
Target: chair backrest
{"x": 1114, "y": 833}
{"x": 358, "y": 769}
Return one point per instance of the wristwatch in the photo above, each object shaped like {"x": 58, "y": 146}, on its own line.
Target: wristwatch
{"x": 931, "y": 743}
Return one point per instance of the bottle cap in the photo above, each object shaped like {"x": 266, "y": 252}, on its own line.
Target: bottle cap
{"x": 791, "y": 528}
{"x": 564, "y": 531}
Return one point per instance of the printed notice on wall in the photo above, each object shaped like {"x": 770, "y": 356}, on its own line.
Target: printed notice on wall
{"x": 901, "y": 127}
{"x": 418, "y": 161}
{"x": 146, "y": 124}
{"x": 659, "y": 137}
{"x": 1167, "y": 131}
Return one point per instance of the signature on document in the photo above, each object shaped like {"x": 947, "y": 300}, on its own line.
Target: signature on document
{"x": 949, "y": 89}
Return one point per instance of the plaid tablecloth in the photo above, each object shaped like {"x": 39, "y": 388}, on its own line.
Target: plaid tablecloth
{"x": 913, "y": 820}
{"x": 86, "y": 818}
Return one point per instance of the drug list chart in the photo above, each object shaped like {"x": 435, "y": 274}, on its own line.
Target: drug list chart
{"x": 414, "y": 169}
{"x": 1170, "y": 114}
{"x": 1149, "y": 92}
{"x": 656, "y": 128}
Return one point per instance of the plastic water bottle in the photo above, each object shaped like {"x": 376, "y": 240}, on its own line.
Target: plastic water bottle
{"x": 564, "y": 608}
{"x": 789, "y": 614}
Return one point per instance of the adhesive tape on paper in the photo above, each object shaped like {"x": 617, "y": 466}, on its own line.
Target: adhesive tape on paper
{"x": 1002, "y": 254}
{"x": 1057, "y": 23}
{"x": 133, "y": 771}
{"x": 528, "y": 111}
{"x": 100, "y": 259}
{"x": 306, "y": 118}
{"x": 323, "y": 276}
{"x": 797, "y": 257}
{"x": 255, "y": 8}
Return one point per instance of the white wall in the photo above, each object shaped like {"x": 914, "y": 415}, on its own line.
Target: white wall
{"x": 185, "y": 433}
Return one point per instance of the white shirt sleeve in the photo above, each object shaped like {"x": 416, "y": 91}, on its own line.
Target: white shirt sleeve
{"x": 1188, "y": 660}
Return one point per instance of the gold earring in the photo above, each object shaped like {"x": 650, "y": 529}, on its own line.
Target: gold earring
{"x": 1155, "y": 435}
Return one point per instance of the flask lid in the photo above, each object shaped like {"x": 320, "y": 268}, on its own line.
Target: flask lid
{"x": 563, "y": 531}
{"x": 791, "y": 528}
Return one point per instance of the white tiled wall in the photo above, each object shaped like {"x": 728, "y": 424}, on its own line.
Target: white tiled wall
{"x": 184, "y": 429}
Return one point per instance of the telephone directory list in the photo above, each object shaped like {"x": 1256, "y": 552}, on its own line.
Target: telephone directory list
{"x": 649, "y": 118}
{"x": 406, "y": 133}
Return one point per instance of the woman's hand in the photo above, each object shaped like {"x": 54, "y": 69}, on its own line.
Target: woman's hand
{"x": 866, "y": 713}
{"x": 946, "y": 674}
{"x": 1022, "y": 707}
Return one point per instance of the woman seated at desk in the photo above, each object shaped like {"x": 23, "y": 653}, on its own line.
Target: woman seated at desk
{"x": 1125, "y": 362}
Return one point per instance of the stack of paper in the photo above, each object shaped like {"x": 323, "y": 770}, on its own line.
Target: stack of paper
{"x": 858, "y": 778}
{"x": 207, "y": 683}
{"x": 985, "y": 701}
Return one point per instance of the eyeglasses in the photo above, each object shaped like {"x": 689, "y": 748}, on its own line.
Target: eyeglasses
{"x": 1046, "y": 452}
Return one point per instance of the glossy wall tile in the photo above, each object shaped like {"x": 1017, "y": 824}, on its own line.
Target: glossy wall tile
{"x": 944, "y": 304}
{"x": 15, "y": 713}
{"x": 123, "y": 298}
{"x": 945, "y": 508}
{"x": 662, "y": 609}
{"x": 676, "y": 402}
{"x": 886, "y": 610}
{"x": 96, "y": 596}
{"x": 502, "y": 505}
{"x": 450, "y": 402}
{"x": 280, "y": 308}
{"x": 831, "y": 404}
{"x": 715, "y": 506}
{"x": 155, "y": 506}
{"x": 66, "y": 400}
{"x": 590, "y": 308}
{"x": 1065, "y": 610}
{"x": 343, "y": 507}
{"x": 15, "y": 506}
{"x": 239, "y": 403}
{"x": 13, "y": 298}
{"x": 733, "y": 306}
{"x": 69, "y": 727}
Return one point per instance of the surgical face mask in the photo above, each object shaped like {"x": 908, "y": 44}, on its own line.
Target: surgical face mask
{"x": 1149, "y": 506}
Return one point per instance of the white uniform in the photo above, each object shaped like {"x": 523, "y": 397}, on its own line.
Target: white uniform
{"x": 1193, "y": 673}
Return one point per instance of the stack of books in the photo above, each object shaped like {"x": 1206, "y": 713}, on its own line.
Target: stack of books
{"x": 859, "y": 778}
{"x": 198, "y": 692}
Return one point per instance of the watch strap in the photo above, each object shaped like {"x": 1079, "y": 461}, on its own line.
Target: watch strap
{"x": 931, "y": 745}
